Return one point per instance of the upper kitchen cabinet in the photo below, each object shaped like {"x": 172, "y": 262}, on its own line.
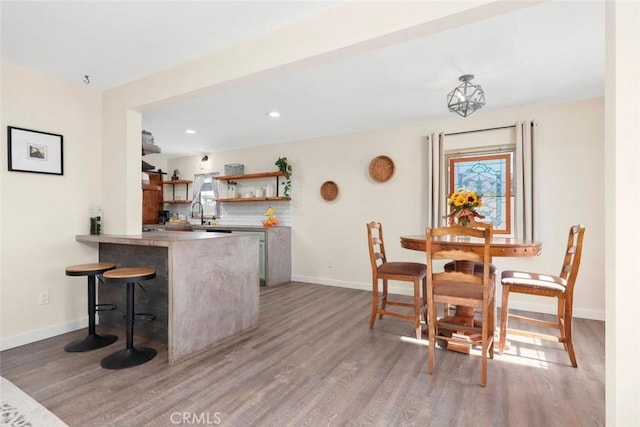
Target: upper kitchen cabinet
{"x": 258, "y": 194}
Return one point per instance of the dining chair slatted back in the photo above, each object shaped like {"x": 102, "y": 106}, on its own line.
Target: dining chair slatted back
{"x": 461, "y": 288}
{"x": 478, "y": 267}
{"x": 385, "y": 271}
{"x": 560, "y": 287}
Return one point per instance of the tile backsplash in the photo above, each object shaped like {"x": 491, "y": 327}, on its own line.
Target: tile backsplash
{"x": 251, "y": 213}
{"x": 242, "y": 213}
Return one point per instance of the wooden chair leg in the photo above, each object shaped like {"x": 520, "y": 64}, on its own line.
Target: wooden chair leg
{"x": 485, "y": 350}
{"x": 424, "y": 294}
{"x": 504, "y": 315}
{"x": 492, "y": 326}
{"x": 433, "y": 318}
{"x": 561, "y": 321}
{"x": 374, "y": 304}
{"x": 384, "y": 297}
{"x": 416, "y": 308}
{"x": 568, "y": 324}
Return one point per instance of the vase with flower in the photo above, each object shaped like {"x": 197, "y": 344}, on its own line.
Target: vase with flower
{"x": 462, "y": 207}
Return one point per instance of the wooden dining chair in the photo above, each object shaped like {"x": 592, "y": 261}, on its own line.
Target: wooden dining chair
{"x": 382, "y": 269}
{"x": 460, "y": 288}
{"x": 478, "y": 267}
{"x": 545, "y": 285}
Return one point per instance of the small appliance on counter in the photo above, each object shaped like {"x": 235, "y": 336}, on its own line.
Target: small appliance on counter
{"x": 163, "y": 217}
{"x": 95, "y": 220}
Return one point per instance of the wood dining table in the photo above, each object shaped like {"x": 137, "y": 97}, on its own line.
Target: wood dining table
{"x": 500, "y": 247}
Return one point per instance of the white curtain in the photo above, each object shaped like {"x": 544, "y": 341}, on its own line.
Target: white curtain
{"x": 215, "y": 183}
{"x": 525, "y": 136}
{"x": 436, "y": 182}
{"x": 523, "y": 171}
{"x": 198, "y": 180}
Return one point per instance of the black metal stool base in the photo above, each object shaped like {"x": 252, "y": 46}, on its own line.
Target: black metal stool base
{"x": 90, "y": 342}
{"x": 128, "y": 358}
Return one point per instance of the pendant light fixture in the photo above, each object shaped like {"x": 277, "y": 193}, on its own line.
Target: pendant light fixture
{"x": 466, "y": 98}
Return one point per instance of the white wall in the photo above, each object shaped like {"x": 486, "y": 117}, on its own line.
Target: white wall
{"x": 622, "y": 157}
{"x": 329, "y": 238}
{"x": 40, "y": 214}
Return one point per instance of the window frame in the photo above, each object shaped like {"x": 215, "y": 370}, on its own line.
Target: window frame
{"x": 487, "y": 153}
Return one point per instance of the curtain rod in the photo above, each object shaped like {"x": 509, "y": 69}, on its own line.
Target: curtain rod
{"x": 479, "y": 130}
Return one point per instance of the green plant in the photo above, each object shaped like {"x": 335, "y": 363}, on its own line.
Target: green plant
{"x": 283, "y": 166}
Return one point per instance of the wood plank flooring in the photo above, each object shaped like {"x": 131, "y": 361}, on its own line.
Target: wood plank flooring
{"x": 314, "y": 362}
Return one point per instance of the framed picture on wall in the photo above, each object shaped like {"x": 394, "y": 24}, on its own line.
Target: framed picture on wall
{"x": 34, "y": 151}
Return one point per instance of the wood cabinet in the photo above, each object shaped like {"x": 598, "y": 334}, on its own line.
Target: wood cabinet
{"x": 152, "y": 198}
{"x": 180, "y": 191}
{"x": 253, "y": 176}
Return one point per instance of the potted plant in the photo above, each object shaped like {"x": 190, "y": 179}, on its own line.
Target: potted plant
{"x": 284, "y": 166}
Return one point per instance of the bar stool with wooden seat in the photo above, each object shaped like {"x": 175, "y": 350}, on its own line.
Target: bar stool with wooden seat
{"x": 130, "y": 356}
{"x": 93, "y": 340}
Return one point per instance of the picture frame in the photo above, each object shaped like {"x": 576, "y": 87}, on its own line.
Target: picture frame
{"x": 34, "y": 151}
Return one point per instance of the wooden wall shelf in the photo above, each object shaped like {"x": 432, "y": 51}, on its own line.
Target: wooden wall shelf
{"x": 175, "y": 182}
{"x": 254, "y": 199}
{"x": 276, "y": 175}
{"x": 250, "y": 176}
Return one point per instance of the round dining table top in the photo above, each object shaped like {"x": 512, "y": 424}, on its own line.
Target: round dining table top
{"x": 500, "y": 246}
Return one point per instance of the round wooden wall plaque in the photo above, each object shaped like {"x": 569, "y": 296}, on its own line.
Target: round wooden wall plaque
{"x": 329, "y": 191}
{"x": 381, "y": 169}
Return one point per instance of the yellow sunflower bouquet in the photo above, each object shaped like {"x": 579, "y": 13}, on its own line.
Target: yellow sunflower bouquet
{"x": 462, "y": 207}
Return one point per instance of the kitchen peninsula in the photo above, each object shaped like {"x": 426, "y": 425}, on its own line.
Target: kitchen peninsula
{"x": 206, "y": 288}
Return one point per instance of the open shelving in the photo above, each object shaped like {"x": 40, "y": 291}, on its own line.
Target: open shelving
{"x": 247, "y": 176}
{"x": 175, "y": 182}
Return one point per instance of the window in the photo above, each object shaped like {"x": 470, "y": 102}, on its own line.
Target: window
{"x": 205, "y": 193}
{"x": 473, "y": 158}
{"x": 207, "y": 198}
{"x": 489, "y": 175}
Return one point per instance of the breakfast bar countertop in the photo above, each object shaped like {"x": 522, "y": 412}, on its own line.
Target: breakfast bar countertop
{"x": 149, "y": 238}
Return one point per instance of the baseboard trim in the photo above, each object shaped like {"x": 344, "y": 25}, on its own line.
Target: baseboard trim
{"x": 394, "y": 288}
{"x": 402, "y": 289}
{"x": 42, "y": 334}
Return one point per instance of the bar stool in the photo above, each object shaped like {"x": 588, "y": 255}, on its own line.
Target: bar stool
{"x": 92, "y": 341}
{"x": 130, "y": 356}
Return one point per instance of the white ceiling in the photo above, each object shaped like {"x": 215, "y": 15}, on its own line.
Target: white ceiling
{"x": 547, "y": 53}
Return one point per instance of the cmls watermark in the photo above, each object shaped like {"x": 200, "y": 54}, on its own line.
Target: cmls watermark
{"x": 203, "y": 418}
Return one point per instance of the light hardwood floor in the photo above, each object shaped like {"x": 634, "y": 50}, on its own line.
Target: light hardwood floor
{"x": 314, "y": 362}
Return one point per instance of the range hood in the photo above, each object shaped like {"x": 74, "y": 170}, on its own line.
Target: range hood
{"x": 147, "y": 166}
{"x": 148, "y": 147}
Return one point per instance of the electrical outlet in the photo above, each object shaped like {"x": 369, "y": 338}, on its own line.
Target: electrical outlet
{"x": 43, "y": 297}
{"x": 329, "y": 263}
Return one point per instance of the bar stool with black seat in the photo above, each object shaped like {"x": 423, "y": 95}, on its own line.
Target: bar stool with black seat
{"x": 130, "y": 356}
{"x": 93, "y": 340}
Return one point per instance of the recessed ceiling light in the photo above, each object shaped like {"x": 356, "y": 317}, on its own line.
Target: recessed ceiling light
{"x": 274, "y": 114}
{"x": 190, "y": 131}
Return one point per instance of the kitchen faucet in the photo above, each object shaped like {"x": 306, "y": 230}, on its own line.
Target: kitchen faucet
{"x": 200, "y": 210}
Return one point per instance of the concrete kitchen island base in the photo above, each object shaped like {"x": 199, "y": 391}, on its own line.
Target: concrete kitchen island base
{"x": 206, "y": 289}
